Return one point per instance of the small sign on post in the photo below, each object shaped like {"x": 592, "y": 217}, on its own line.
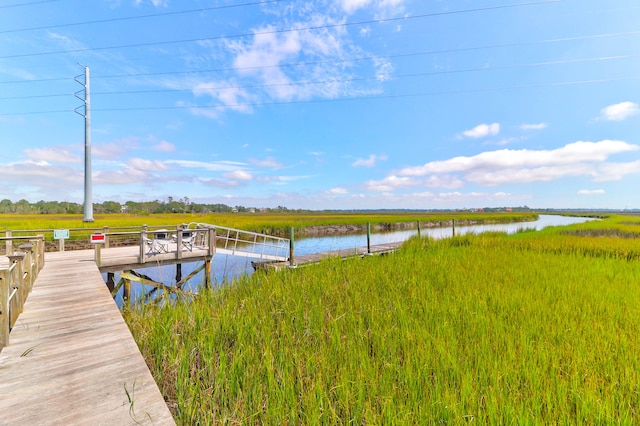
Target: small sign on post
{"x": 97, "y": 238}
{"x": 61, "y": 235}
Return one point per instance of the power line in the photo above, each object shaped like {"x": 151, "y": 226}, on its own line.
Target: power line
{"x": 27, "y": 4}
{"x": 129, "y": 18}
{"x": 281, "y": 31}
{"x": 345, "y": 80}
{"x": 363, "y": 58}
{"x": 358, "y": 98}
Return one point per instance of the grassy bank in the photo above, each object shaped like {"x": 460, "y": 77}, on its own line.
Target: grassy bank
{"x": 259, "y": 222}
{"x": 534, "y": 328}
{"x": 276, "y": 224}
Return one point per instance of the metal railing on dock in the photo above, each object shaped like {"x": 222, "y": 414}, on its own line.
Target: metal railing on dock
{"x": 16, "y": 279}
{"x": 187, "y": 242}
{"x": 248, "y": 244}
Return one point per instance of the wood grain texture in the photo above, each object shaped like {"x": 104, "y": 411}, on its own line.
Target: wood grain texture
{"x": 71, "y": 358}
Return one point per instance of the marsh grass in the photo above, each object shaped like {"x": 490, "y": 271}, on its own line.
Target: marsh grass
{"x": 259, "y": 222}
{"x": 534, "y": 328}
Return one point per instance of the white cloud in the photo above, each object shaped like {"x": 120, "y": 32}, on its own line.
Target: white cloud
{"x": 261, "y": 70}
{"x": 164, "y": 146}
{"x": 391, "y": 183}
{"x": 513, "y": 166}
{"x": 592, "y": 192}
{"x": 228, "y": 95}
{"x": 482, "y": 130}
{"x": 52, "y": 155}
{"x": 220, "y": 183}
{"x": 216, "y": 166}
{"x": 41, "y": 174}
{"x": 238, "y": 175}
{"x": 368, "y": 162}
{"x": 112, "y": 151}
{"x": 616, "y": 171}
{"x": 539, "y": 126}
{"x": 620, "y": 112}
{"x": 444, "y": 181}
{"x": 156, "y": 3}
{"x": 352, "y": 6}
{"x": 146, "y": 165}
{"x": 337, "y": 191}
{"x": 268, "y": 162}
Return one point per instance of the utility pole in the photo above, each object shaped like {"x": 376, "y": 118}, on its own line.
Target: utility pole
{"x": 88, "y": 202}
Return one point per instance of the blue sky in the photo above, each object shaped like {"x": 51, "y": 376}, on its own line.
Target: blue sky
{"x": 329, "y": 104}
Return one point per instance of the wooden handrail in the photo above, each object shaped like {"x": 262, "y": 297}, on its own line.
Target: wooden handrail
{"x": 16, "y": 282}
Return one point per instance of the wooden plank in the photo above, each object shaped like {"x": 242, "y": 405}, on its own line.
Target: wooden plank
{"x": 71, "y": 358}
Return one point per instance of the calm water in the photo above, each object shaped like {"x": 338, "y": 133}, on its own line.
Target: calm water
{"x": 225, "y": 267}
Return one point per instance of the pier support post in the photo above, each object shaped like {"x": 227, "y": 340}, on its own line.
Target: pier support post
{"x": 126, "y": 292}
{"x": 178, "y": 272}
{"x": 292, "y": 261}
{"x": 111, "y": 281}
{"x": 418, "y": 225}
{"x": 207, "y": 274}
{"x": 368, "y": 238}
{"x": 453, "y": 226}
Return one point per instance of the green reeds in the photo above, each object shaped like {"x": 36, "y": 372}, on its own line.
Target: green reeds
{"x": 535, "y": 328}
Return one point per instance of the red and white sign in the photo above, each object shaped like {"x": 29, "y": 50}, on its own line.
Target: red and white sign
{"x": 97, "y": 239}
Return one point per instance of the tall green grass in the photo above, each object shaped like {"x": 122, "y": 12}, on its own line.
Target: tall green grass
{"x": 260, "y": 222}
{"x": 534, "y": 328}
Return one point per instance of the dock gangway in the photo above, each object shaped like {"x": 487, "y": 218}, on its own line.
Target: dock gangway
{"x": 236, "y": 242}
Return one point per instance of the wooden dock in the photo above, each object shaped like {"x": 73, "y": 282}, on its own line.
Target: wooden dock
{"x": 71, "y": 359}
{"x": 309, "y": 259}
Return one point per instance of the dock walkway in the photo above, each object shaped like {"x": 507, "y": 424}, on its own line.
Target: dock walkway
{"x": 72, "y": 359}
{"x": 310, "y": 259}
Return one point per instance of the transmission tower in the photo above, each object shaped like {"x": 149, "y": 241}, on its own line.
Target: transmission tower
{"x": 86, "y": 99}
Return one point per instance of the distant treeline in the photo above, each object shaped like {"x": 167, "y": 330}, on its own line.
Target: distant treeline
{"x": 170, "y": 205}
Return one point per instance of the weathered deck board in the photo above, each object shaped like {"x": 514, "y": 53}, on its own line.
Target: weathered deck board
{"x": 71, "y": 358}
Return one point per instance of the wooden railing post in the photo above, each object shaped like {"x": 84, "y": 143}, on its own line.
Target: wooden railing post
{"x": 38, "y": 253}
{"x": 21, "y": 280}
{"x": 9, "y": 244}
{"x": 212, "y": 241}
{"x": 29, "y": 268}
{"x": 105, "y": 231}
{"x": 143, "y": 245}
{"x": 5, "y": 291}
{"x": 179, "y": 242}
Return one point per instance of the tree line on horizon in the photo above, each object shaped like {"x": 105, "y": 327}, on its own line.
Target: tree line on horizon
{"x": 170, "y": 205}
{"x": 185, "y": 205}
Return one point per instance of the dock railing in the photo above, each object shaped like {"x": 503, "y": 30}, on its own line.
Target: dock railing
{"x": 16, "y": 279}
{"x": 248, "y": 244}
{"x": 189, "y": 241}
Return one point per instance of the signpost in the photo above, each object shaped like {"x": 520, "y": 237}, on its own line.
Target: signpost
{"x": 98, "y": 240}
{"x": 61, "y": 235}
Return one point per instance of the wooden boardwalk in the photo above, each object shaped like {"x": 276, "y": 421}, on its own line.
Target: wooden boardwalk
{"x": 71, "y": 359}
{"x": 309, "y": 259}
